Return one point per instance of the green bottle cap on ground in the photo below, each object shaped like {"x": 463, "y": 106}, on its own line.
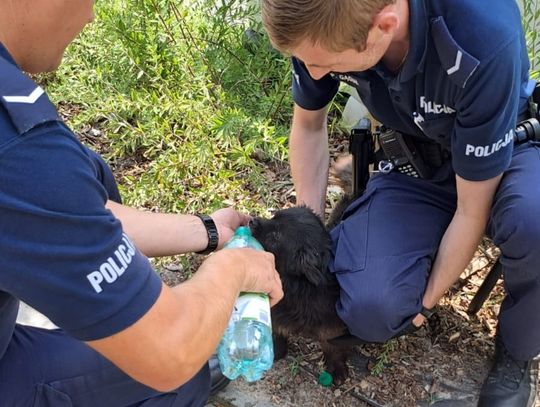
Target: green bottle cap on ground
{"x": 326, "y": 379}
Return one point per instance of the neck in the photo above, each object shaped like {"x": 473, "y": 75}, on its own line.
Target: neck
{"x": 399, "y": 46}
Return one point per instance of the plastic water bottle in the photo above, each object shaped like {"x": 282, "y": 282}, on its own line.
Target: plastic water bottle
{"x": 246, "y": 349}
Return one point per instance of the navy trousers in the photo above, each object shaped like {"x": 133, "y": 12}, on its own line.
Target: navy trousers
{"x": 387, "y": 242}
{"x": 48, "y": 368}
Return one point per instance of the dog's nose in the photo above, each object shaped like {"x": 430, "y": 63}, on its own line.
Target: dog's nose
{"x": 254, "y": 223}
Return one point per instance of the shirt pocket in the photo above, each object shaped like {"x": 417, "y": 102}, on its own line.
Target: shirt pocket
{"x": 439, "y": 129}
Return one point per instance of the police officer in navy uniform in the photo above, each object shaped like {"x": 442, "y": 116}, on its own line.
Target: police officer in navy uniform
{"x": 71, "y": 250}
{"x": 446, "y": 73}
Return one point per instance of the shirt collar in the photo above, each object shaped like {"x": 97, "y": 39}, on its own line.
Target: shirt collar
{"x": 418, "y": 32}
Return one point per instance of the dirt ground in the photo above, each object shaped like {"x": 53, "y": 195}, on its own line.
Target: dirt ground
{"x": 442, "y": 364}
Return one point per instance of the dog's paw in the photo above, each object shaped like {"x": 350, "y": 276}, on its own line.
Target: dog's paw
{"x": 336, "y": 361}
{"x": 339, "y": 372}
{"x": 341, "y": 173}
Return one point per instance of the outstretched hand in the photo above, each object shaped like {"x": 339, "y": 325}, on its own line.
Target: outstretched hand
{"x": 227, "y": 220}
{"x": 258, "y": 267}
{"x": 254, "y": 269}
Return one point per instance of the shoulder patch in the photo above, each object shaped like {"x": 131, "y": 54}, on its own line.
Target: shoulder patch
{"x": 459, "y": 65}
{"x": 25, "y": 102}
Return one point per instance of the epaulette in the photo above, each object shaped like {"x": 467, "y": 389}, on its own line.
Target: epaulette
{"x": 24, "y": 101}
{"x": 459, "y": 65}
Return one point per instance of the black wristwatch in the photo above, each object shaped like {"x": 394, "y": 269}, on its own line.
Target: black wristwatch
{"x": 427, "y": 312}
{"x": 211, "y": 230}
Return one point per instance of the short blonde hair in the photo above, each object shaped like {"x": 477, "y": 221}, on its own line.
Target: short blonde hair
{"x": 336, "y": 25}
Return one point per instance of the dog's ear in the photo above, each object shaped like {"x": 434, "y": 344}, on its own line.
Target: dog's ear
{"x": 311, "y": 264}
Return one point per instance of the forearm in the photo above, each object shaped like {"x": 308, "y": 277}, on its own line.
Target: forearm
{"x": 309, "y": 160}
{"x": 171, "y": 343}
{"x": 160, "y": 234}
{"x": 461, "y": 237}
{"x": 211, "y": 299}
{"x": 173, "y": 340}
{"x": 456, "y": 249}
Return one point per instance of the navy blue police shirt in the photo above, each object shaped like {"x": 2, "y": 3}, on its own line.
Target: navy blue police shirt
{"x": 61, "y": 250}
{"x": 462, "y": 85}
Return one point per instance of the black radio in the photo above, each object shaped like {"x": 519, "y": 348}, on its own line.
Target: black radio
{"x": 401, "y": 155}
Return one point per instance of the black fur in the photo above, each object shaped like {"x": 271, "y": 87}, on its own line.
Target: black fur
{"x": 302, "y": 248}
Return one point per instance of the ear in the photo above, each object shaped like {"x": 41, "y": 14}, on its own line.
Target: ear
{"x": 387, "y": 20}
{"x": 311, "y": 265}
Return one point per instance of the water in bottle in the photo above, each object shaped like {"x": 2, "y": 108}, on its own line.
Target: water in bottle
{"x": 246, "y": 348}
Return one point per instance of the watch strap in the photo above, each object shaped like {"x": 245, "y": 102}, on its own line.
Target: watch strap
{"x": 211, "y": 231}
{"x": 427, "y": 312}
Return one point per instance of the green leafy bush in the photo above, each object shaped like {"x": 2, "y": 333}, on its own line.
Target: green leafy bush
{"x": 190, "y": 98}
{"x": 531, "y": 23}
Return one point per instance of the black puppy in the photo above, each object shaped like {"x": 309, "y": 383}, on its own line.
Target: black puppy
{"x": 302, "y": 248}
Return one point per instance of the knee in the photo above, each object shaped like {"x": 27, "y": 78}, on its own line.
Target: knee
{"x": 520, "y": 240}
{"x": 527, "y": 227}
{"x": 377, "y": 315}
